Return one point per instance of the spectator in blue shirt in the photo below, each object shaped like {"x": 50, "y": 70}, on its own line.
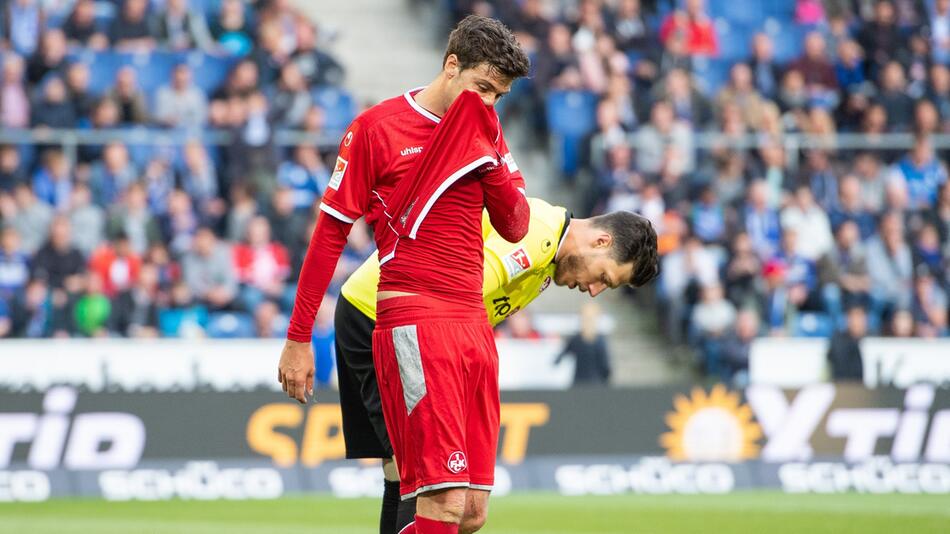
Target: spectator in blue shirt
{"x": 761, "y": 222}
{"x": 922, "y": 172}
{"x": 927, "y": 251}
{"x": 24, "y": 24}
{"x": 850, "y": 66}
{"x": 182, "y": 317}
{"x": 850, "y": 208}
{"x": 306, "y": 175}
{"x": 52, "y": 182}
{"x": 799, "y": 270}
{"x": 112, "y": 176}
{"x": 6, "y": 324}
{"x": 708, "y": 218}
{"x": 14, "y": 264}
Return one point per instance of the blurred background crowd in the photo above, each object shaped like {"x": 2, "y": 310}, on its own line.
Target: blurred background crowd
{"x": 789, "y": 153}
{"x": 118, "y": 235}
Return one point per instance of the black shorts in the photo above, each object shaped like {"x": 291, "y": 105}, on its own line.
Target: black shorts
{"x": 364, "y": 429}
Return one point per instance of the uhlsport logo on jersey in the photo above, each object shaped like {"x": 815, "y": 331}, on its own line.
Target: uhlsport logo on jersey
{"x": 338, "y": 171}
{"x": 457, "y": 462}
{"x": 517, "y": 262}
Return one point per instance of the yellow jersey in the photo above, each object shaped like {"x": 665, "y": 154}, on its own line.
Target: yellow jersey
{"x": 515, "y": 273}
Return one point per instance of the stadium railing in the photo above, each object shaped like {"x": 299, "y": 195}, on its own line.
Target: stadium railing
{"x": 71, "y": 139}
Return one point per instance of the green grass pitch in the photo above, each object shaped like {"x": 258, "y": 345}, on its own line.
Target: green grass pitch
{"x": 521, "y": 514}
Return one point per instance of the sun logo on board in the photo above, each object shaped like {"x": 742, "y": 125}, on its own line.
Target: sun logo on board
{"x": 716, "y": 427}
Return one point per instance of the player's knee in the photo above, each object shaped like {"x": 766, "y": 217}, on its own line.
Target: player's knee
{"x": 390, "y": 471}
{"x": 446, "y": 505}
{"x": 473, "y": 521}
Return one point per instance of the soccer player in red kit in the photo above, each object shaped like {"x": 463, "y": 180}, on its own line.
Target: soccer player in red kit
{"x": 381, "y": 148}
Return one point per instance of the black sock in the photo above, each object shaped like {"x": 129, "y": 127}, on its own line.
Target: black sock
{"x": 387, "y": 518}
{"x": 406, "y": 514}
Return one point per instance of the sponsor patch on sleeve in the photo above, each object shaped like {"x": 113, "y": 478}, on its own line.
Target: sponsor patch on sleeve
{"x": 516, "y": 262}
{"x": 338, "y": 171}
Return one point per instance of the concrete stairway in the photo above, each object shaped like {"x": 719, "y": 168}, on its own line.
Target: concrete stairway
{"x": 386, "y": 46}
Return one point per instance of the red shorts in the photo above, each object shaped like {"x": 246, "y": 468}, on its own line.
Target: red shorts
{"x": 438, "y": 379}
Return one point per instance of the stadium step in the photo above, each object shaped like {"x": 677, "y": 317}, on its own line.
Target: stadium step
{"x": 381, "y": 64}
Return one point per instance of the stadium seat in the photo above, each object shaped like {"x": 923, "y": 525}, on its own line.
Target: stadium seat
{"x": 339, "y": 107}
{"x": 228, "y": 325}
{"x": 154, "y": 69}
{"x": 102, "y": 68}
{"x": 747, "y": 12}
{"x": 787, "y": 38}
{"x": 712, "y": 74}
{"x": 813, "y": 324}
{"x": 571, "y": 117}
{"x": 734, "y": 39}
{"x": 779, "y": 9}
{"x": 209, "y": 71}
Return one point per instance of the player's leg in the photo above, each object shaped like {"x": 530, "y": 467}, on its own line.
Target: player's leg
{"x": 406, "y": 511}
{"x": 446, "y": 505}
{"x": 423, "y": 395}
{"x": 476, "y": 511}
{"x": 482, "y": 426}
{"x": 364, "y": 430}
{"x": 389, "y": 514}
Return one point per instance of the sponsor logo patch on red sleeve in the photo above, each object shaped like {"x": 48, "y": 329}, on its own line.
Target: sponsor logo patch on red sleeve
{"x": 338, "y": 171}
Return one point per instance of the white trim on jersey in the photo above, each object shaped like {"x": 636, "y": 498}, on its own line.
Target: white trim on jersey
{"x": 392, "y": 254}
{"x": 563, "y": 237}
{"x": 433, "y": 487}
{"x": 336, "y": 214}
{"x": 419, "y": 109}
{"x": 445, "y": 185}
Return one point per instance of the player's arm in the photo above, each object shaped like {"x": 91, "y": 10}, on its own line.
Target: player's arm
{"x": 343, "y": 203}
{"x": 507, "y": 205}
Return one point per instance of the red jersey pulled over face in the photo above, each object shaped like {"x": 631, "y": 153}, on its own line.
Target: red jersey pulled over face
{"x": 377, "y": 151}
{"x": 436, "y": 214}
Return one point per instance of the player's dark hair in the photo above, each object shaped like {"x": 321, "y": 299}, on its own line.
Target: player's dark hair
{"x": 634, "y": 241}
{"x": 478, "y": 40}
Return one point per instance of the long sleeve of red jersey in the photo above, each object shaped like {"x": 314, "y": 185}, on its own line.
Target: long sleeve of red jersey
{"x": 506, "y": 204}
{"x": 326, "y": 245}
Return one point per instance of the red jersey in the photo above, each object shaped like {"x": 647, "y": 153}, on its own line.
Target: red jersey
{"x": 378, "y": 150}
{"x": 434, "y": 245}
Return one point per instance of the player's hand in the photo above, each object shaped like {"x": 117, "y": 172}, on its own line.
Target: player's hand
{"x": 295, "y": 370}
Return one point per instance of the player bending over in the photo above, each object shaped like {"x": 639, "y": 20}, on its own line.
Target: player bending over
{"x": 591, "y": 255}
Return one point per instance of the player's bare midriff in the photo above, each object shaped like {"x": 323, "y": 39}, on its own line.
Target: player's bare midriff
{"x": 383, "y": 295}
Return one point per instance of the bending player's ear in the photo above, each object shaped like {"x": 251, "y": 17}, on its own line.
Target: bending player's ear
{"x": 604, "y": 240}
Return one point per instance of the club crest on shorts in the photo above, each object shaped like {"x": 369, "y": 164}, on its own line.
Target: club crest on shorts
{"x": 516, "y": 262}
{"x": 457, "y": 462}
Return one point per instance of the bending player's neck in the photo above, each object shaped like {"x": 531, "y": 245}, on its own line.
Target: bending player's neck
{"x": 430, "y": 98}
{"x": 569, "y": 244}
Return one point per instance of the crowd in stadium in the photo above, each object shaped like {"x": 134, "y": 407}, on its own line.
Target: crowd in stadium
{"x": 761, "y": 238}
{"x": 127, "y": 239}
